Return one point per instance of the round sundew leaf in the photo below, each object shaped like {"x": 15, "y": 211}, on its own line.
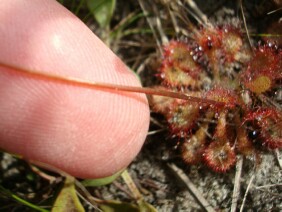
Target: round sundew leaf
{"x": 161, "y": 104}
{"x": 229, "y": 97}
{"x": 220, "y": 156}
{"x": 231, "y": 44}
{"x": 182, "y": 117}
{"x": 269, "y": 122}
{"x": 265, "y": 58}
{"x": 177, "y": 52}
{"x": 176, "y": 76}
{"x": 182, "y": 58}
{"x": 271, "y": 131}
{"x": 209, "y": 38}
{"x": 259, "y": 85}
{"x": 179, "y": 56}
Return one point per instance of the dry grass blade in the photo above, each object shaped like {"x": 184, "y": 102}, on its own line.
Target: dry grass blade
{"x": 245, "y": 23}
{"x": 131, "y": 185}
{"x": 236, "y": 190}
{"x": 151, "y": 23}
{"x": 82, "y": 190}
{"x": 194, "y": 191}
{"x": 279, "y": 157}
{"x": 198, "y": 15}
{"x": 246, "y": 193}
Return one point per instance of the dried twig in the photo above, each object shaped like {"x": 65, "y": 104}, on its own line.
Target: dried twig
{"x": 246, "y": 193}
{"x": 236, "y": 190}
{"x": 245, "y": 23}
{"x": 197, "y": 13}
{"x": 154, "y": 22}
{"x": 193, "y": 190}
{"x": 45, "y": 176}
{"x": 268, "y": 186}
{"x": 131, "y": 185}
{"x": 279, "y": 157}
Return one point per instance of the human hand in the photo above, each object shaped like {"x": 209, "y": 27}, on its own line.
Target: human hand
{"x": 86, "y": 133}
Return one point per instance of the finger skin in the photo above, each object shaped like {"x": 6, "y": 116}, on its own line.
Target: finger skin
{"x": 86, "y": 133}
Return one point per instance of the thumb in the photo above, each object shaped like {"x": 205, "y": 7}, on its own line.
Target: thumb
{"x": 86, "y": 133}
